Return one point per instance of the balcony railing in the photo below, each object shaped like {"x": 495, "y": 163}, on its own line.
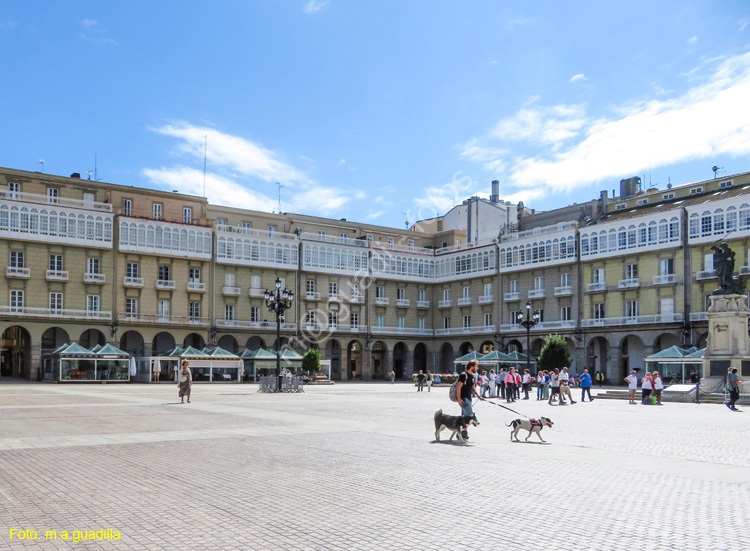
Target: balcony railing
{"x": 163, "y": 319}
{"x": 698, "y": 316}
{"x": 246, "y": 324}
{"x": 357, "y": 299}
{"x": 256, "y": 232}
{"x": 345, "y": 328}
{"x": 23, "y": 273}
{"x": 404, "y": 248}
{"x": 57, "y": 275}
{"x": 256, "y": 292}
{"x": 165, "y": 284}
{"x": 541, "y": 326}
{"x": 536, "y": 293}
{"x": 423, "y": 304}
{"x": 312, "y": 295}
{"x": 744, "y": 270}
{"x": 196, "y": 287}
{"x": 382, "y": 301}
{"x": 335, "y": 297}
{"x": 666, "y": 279}
{"x": 629, "y": 283}
{"x": 599, "y": 286}
{"x": 230, "y": 291}
{"x": 513, "y": 295}
{"x": 485, "y": 299}
{"x": 60, "y": 201}
{"x": 706, "y": 274}
{"x": 403, "y": 302}
{"x": 333, "y": 239}
{"x": 444, "y": 303}
{"x": 632, "y": 320}
{"x": 563, "y": 291}
{"x": 98, "y": 279}
{"x": 132, "y": 281}
{"x": 466, "y": 330}
{"x": 62, "y": 313}
{"x": 464, "y": 301}
{"x": 400, "y": 330}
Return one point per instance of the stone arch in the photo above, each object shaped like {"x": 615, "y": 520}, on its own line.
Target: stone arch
{"x": 228, "y": 342}
{"x": 53, "y": 338}
{"x": 666, "y": 340}
{"x": 514, "y": 345}
{"x": 195, "y": 340}
{"x": 255, "y": 343}
{"x": 282, "y": 343}
{"x": 447, "y": 355}
{"x": 333, "y": 353}
{"x": 91, "y": 337}
{"x": 15, "y": 358}
{"x": 379, "y": 360}
{"x": 420, "y": 357}
{"x": 598, "y": 356}
{"x": 132, "y": 342}
{"x": 486, "y": 347}
{"x": 536, "y": 347}
{"x": 400, "y": 351}
{"x": 163, "y": 342}
{"x": 702, "y": 340}
{"x": 354, "y": 358}
{"x": 465, "y": 348}
{"x": 632, "y": 354}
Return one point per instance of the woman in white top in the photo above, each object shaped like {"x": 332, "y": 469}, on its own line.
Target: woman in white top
{"x": 632, "y": 381}
{"x": 647, "y": 385}
{"x": 540, "y": 385}
{"x": 658, "y": 387}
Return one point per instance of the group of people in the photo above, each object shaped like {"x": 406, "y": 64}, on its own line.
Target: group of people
{"x": 422, "y": 379}
{"x": 554, "y": 386}
{"x": 651, "y": 387}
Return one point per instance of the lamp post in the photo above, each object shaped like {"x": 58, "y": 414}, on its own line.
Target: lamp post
{"x": 528, "y": 322}
{"x": 278, "y": 301}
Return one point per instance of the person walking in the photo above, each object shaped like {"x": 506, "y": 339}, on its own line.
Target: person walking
{"x": 540, "y": 385}
{"x": 733, "y": 388}
{"x": 658, "y": 387}
{"x": 465, "y": 389}
{"x": 600, "y": 378}
{"x": 185, "y": 382}
{"x": 647, "y": 385}
{"x": 510, "y": 384}
{"x": 545, "y": 395}
{"x": 430, "y": 380}
{"x": 517, "y": 388}
{"x": 554, "y": 384}
{"x": 501, "y": 382}
{"x": 585, "y": 382}
{"x": 492, "y": 383}
{"x": 484, "y": 382}
{"x": 526, "y": 382}
{"x": 565, "y": 385}
{"x": 393, "y": 377}
{"x": 420, "y": 381}
{"x": 632, "y": 381}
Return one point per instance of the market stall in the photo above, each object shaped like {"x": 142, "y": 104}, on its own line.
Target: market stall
{"x": 676, "y": 364}
{"x": 75, "y": 363}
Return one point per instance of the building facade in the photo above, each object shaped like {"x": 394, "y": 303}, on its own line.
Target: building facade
{"x": 620, "y": 278}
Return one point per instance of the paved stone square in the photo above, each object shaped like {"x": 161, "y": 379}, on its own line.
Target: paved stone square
{"x": 355, "y": 466}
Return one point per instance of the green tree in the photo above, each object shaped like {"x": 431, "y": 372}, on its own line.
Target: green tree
{"x": 311, "y": 361}
{"x": 554, "y": 353}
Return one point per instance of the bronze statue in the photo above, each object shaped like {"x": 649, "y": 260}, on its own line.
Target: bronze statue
{"x": 724, "y": 267}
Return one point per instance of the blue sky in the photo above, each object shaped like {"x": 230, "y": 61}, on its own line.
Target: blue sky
{"x": 371, "y": 109}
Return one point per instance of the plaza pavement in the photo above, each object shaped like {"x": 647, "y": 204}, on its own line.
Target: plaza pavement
{"x": 355, "y": 466}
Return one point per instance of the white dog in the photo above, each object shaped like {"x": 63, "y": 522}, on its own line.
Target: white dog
{"x": 531, "y": 425}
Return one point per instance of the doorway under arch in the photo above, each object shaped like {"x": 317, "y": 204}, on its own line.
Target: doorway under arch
{"x": 666, "y": 340}
{"x": 163, "y": 342}
{"x": 379, "y": 356}
{"x": 598, "y": 354}
{"x": 465, "y": 348}
{"x": 228, "y": 343}
{"x": 132, "y": 342}
{"x": 354, "y": 358}
{"x": 194, "y": 340}
{"x": 447, "y": 355}
{"x": 632, "y": 354}
{"x": 15, "y": 360}
{"x": 91, "y": 337}
{"x": 333, "y": 353}
{"x": 399, "y": 360}
{"x": 255, "y": 343}
{"x": 53, "y": 338}
{"x": 420, "y": 357}
{"x": 487, "y": 347}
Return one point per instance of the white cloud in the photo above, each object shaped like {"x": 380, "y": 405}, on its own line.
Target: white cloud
{"x": 316, "y": 6}
{"x": 518, "y": 22}
{"x": 89, "y": 23}
{"x": 576, "y": 78}
{"x": 373, "y": 214}
{"x": 437, "y": 200}
{"x": 692, "y": 40}
{"x": 709, "y": 119}
{"x": 743, "y": 24}
{"x": 96, "y": 40}
{"x": 342, "y": 162}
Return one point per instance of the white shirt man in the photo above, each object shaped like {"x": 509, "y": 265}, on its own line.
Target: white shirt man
{"x": 632, "y": 381}
{"x": 565, "y": 385}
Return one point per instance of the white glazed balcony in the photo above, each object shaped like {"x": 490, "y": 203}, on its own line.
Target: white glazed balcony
{"x": 563, "y": 291}
{"x": 132, "y": 281}
{"x": 165, "y": 284}
{"x": 473, "y": 330}
{"x": 19, "y": 273}
{"x": 423, "y": 304}
{"x": 57, "y": 275}
{"x": 403, "y": 302}
{"x": 97, "y": 279}
{"x": 514, "y": 295}
{"x": 698, "y": 316}
{"x": 599, "y": 286}
{"x": 631, "y": 283}
{"x": 246, "y": 324}
{"x": 60, "y": 201}
{"x": 196, "y": 287}
{"x": 61, "y": 313}
{"x": 485, "y": 299}
{"x": 230, "y": 291}
{"x": 400, "y": 330}
{"x": 163, "y": 319}
{"x": 536, "y": 293}
{"x": 744, "y": 270}
{"x": 382, "y": 301}
{"x": 706, "y": 274}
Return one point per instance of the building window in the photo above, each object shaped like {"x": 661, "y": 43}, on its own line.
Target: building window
{"x": 420, "y": 295}
{"x": 131, "y": 305}
{"x": 539, "y": 283}
{"x": 246, "y": 227}
{"x": 667, "y": 196}
{"x": 513, "y": 317}
{"x": 696, "y": 190}
{"x": 390, "y": 242}
{"x": 467, "y": 292}
{"x": 158, "y": 211}
{"x": 354, "y": 319}
{"x": 299, "y": 230}
{"x": 16, "y": 301}
{"x": 666, "y": 266}
{"x": 379, "y": 291}
{"x": 410, "y": 243}
{"x": 420, "y": 323}
{"x": 379, "y": 320}
{"x": 487, "y": 320}
{"x": 369, "y": 238}
{"x": 488, "y": 289}
{"x": 667, "y": 306}
{"x": 271, "y": 230}
{"x": 400, "y": 293}
{"x": 164, "y": 272}
{"x": 631, "y": 271}
{"x": 597, "y": 275}
{"x": 14, "y": 190}
{"x": 333, "y": 319}
{"x": 446, "y": 322}
{"x": 17, "y": 259}
{"x": 599, "y": 311}
{"x": 333, "y": 288}
{"x": 725, "y": 184}
{"x": 344, "y": 235}
{"x": 229, "y": 279}
{"x": 321, "y": 235}
{"x": 229, "y": 312}
{"x": 194, "y": 310}
{"x": 187, "y": 215}
{"x": 446, "y": 294}
{"x": 221, "y": 223}
{"x": 195, "y": 275}
{"x": 564, "y": 280}
{"x": 56, "y": 302}
{"x": 310, "y": 286}
{"x": 92, "y": 303}
{"x": 513, "y": 285}
{"x": 92, "y": 266}
{"x": 401, "y": 322}
{"x": 631, "y": 308}
{"x": 565, "y": 313}
{"x": 162, "y": 308}
{"x": 127, "y": 207}
{"x": 53, "y": 195}
{"x": 310, "y": 317}
{"x": 131, "y": 269}
{"x": 56, "y": 262}
{"x": 254, "y": 314}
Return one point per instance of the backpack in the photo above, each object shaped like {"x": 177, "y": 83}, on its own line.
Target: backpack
{"x": 453, "y": 391}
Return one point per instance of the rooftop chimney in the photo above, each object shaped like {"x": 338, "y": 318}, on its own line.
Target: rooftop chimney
{"x": 629, "y": 187}
{"x": 76, "y": 175}
{"x": 495, "y": 197}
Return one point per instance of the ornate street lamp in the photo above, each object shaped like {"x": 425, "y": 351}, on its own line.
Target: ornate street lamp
{"x": 530, "y": 321}
{"x": 278, "y": 301}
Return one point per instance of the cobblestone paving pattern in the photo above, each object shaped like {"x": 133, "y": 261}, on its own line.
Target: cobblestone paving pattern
{"x": 355, "y": 466}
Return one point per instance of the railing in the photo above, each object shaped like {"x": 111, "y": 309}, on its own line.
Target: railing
{"x": 256, "y": 232}
{"x": 335, "y": 297}
{"x": 382, "y": 301}
{"x": 423, "y": 304}
{"x": 335, "y": 240}
{"x": 229, "y": 290}
{"x": 562, "y": 226}
{"x": 632, "y": 320}
{"x": 345, "y": 328}
{"x": 132, "y": 281}
{"x": 464, "y": 301}
{"x": 563, "y": 291}
{"x": 536, "y": 293}
{"x": 600, "y": 286}
{"x": 57, "y": 275}
{"x": 165, "y": 284}
{"x": 698, "y": 316}
{"x": 256, "y": 292}
{"x": 403, "y": 302}
{"x": 94, "y": 278}
{"x": 62, "y": 313}
{"x": 466, "y": 330}
{"x": 629, "y": 283}
{"x": 312, "y": 295}
{"x": 403, "y": 248}
{"x": 401, "y": 330}
{"x": 706, "y": 274}
{"x": 463, "y": 246}
{"x": 60, "y": 201}
{"x": 485, "y": 299}
{"x": 744, "y": 270}
{"x": 444, "y": 303}
{"x": 11, "y": 271}
{"x": 547, "y": 325}
{"x": 666, "y": 279}
{"x": 246, "y": 324}
{"x": 176, "y": 218}
{"x": 163, "y": 319}
{"x": 196, "y": 287}
{"x": 357, "y": 299}
{"x": 514, "y": 295}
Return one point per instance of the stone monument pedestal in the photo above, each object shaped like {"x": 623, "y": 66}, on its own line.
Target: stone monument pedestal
{"x": 728, "y": 343}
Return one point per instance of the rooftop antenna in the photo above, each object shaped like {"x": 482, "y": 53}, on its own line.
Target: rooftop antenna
{"x": 41, "y": 162}
{"x": 716, "y": 170}
{"x": 406, "y": 223}
{"x": 205, "y": 151}
{"x": 96, "y": 174}
{"x": 280, "y": 186}
{"x": 89, "y": 172}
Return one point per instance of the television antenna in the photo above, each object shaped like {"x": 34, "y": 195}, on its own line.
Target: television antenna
{"x": 716, "y": 170}
{"x": 280, "y": 186}
{"x": 41, "y": 162}
{"x": 406, "y": 222}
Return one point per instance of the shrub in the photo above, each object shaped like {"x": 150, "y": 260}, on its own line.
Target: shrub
{"x": 311, "y": 361}
{"x": 554, "y": 353}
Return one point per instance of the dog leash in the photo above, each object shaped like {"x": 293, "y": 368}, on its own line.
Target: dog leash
{"x": 502, "y": 406}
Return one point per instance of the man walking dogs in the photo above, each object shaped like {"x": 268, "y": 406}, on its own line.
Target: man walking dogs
{"x": 464, "y": 390}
